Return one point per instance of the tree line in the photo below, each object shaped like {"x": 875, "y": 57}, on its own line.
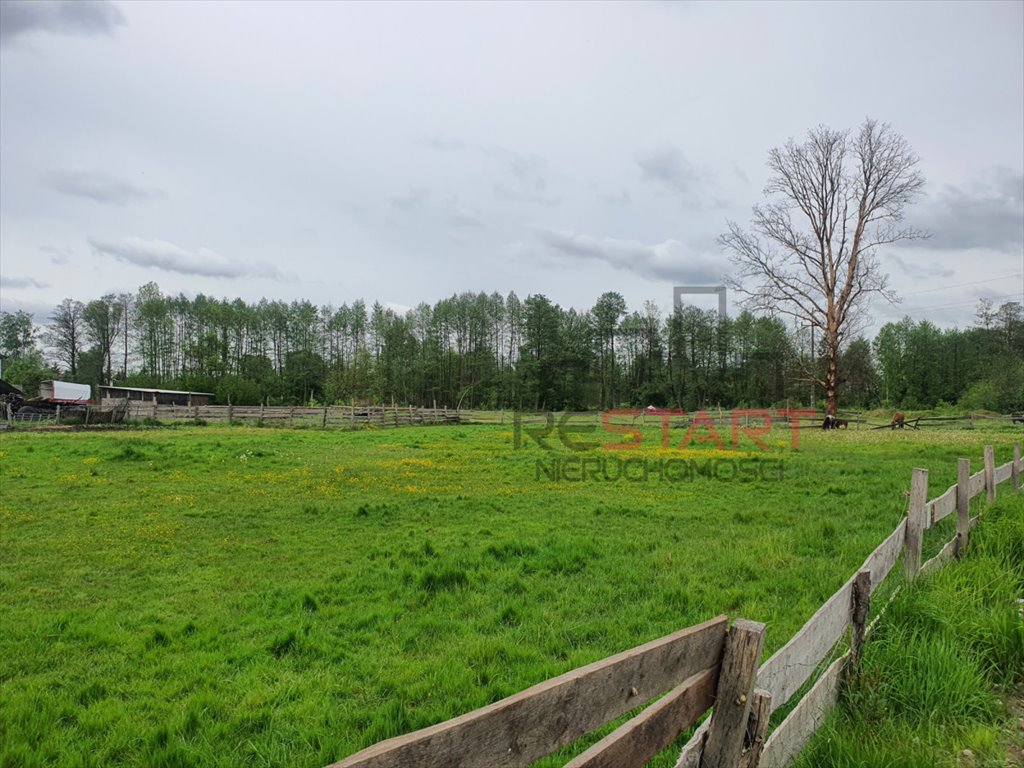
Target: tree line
{"x": 480, "y": 350}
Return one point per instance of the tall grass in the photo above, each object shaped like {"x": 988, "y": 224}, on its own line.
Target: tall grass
{"x": 941, "y": 664}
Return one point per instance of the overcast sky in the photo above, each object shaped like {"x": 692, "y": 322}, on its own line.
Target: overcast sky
{"x": 404, "y": 152}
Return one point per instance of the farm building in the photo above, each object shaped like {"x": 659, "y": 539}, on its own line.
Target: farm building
{"x": 110, "y": 395}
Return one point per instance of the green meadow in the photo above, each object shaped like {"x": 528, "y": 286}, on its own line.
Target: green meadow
{"x": 225, "y": 596}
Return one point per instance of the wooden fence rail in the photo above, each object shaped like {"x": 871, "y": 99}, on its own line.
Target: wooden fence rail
{"x": 699, "y": 668}
{"x": 794, "y": 664}
{"x": 350, "y": 416}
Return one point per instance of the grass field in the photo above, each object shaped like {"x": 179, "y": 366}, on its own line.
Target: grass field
{"x": 221, "y": 596}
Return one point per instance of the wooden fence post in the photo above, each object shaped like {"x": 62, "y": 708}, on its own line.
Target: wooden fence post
{"x": 990, "y": 474}
{"x": 729, "y": 718}
{"x": 1015, "y": 467}
{"x": 861, "y": 607}
{"x": 963, "y": 506}
{"x": 10, "y": 415}
{"x": 760, "y": 714}
{"x": 291, "y": 416}
{"x": 323, "y": 424}
{"x": 261, "y": 410}
{"x": 915, "y": 523}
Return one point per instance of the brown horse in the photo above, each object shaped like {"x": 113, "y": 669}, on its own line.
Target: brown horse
{"x": 898, "y": 420}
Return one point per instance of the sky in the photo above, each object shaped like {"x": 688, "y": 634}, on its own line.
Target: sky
{"x": 405, "y": 152}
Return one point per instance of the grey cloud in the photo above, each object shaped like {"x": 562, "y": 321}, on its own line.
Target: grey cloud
{"x": 989, "y": 214}
{"x": 58, "y": 256}
{"x": 513, "y": 193}
{"x": 622, "y": 199}
{"x": 526, "y": 174}
{"x": 667, "y": 260}
{"x": 172, "y": 258}
{"x": 917, "y": 271}
{"x": 63, "y": 17}
{"x": 101, "y": 187}
{"x": 668, "y": 169}
{"x": 411, "y": 200}
{"x": 445, "y": 144}
{"x": 465, "y": 219}
{"x": 20, "y": 282}
{"x": 40, "y": 311}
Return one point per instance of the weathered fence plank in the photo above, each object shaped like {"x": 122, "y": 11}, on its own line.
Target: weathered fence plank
{"x": 915, "y": 522}
{"x": 990, "y": 474}
{"x": 728, "y": 728}
{"x": 882, "y": 560}
{"x": 533, "y": 723}
{"x": 1018, "y": 466}
{"x": 634, "y": 743}
{"x": 796, "y": 730}
{"x": 1004, "y": 473}
{"x": 945, "y": 554}
{"x": 859, "y": 615}
{"x": 976, "y": 483}
{"x": 760, "y": 714}
{"x": 942, "y": 506}
{"x": 791, "y": 665}
{"x": 963, "y": 505}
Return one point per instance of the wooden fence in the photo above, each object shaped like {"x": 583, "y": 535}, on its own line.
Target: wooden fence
{"x": 709, "y": 666}
{"x": 335, "y": 416}
{"x": 342, "y": 416}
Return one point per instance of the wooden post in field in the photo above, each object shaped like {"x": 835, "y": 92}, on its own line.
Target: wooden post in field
{"x": 10, "y": 415}
{"x": 58, "y": 414}
{"x": 728, "y": 729}
{"x": 323, "y": 424}
{"x": 963, "y": 505}
{"x": 231, "y": 410}
{"x": 861, "y": 607}
{"x": 915, "y": 523}
{"x": 990, "y": 474}
{"x": 261, "y": 410}
{"x": 1015, "y": 467}
{"x": 291, "y": 416}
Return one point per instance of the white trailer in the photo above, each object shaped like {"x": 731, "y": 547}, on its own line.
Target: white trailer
{"x": 65, "y": 392}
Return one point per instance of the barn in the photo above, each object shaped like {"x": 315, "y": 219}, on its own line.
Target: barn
{"x": 110, "y": 395}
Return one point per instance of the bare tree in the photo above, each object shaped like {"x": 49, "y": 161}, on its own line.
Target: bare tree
{"x": 66, "y": 333}
{"x": 812, "y": 252}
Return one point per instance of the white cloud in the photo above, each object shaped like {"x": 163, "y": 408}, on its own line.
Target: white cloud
{"x": 668, "y": 260}
{"x": 101, "y": 187}
{"x": 20, "y": 282}
{"x": 172, "y": 258}
{"x": 64, "y": 17}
